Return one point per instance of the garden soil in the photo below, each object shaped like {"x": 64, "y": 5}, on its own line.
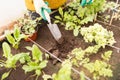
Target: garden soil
{"x": 46, "y": 40}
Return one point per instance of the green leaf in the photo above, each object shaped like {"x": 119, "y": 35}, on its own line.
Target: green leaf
{"x": 11, "y": 62}
{"x": 43, "y": 64}
{"x": 22, "y": 36}
{"x": 28, "y": 48}
{"x": 65, "y": 72}
{"x": 9, "y": 37}
{"x": 16, "y": 32}
{"x": 6, "y": 50}
{"x": 29, "y": 68}
{"x": 60, "y": 11}
{"x": 38, "y": 72}
{"x": 56, "y": 21}
{"x": 76, "y": 31}
{"x": 58, "y": 17}
{"x": 106, "y": 56}
{"x": 46, "y": 77}
{"x": 5, "y": 75}
{"x": 36, "y": 53}
{"x": 82, "y": 76}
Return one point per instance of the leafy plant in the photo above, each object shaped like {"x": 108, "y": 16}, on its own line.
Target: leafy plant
{"x": 16, "y": 38}
{"x": 75, "y": 15}
{"x": 79, "y": 56}
{"x": 11, "y": 60}
{"x": 36, "y": 63}
{"x": 98, "y": 69}
{"x": 97, "y": 33}
{"x": 65, "y": 72}
{"x": 28, "y": 25}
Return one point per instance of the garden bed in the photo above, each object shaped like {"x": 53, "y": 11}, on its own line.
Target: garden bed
{"x": 70, "y": 42}
{"x": 62, "y": 50}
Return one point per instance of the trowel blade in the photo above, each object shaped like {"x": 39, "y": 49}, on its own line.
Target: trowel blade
{"x": 55, "y": 31}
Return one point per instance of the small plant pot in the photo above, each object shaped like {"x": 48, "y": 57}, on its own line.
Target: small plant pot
{"x": 32, "y": 37}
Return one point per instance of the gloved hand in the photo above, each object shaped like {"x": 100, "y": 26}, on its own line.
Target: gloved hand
{"x": 84, "y": 2}
{"x": 42, "y": 8}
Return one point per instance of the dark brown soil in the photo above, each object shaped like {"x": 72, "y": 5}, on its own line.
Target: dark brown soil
{"x": 46, "y": 40}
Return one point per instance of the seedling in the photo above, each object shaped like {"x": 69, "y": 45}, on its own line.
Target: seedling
{"x": 16, "y": 38}
{"x": 11, "y": 60}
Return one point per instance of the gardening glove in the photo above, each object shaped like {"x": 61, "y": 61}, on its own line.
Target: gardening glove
{"x": 84, "y": 2}
{"x": 42, "y": 9}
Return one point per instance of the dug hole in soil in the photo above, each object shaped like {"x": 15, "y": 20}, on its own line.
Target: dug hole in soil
{"x": 46, "y": 40}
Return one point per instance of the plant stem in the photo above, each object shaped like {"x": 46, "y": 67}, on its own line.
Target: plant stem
{"x": 118, "y": 49}
{"x": 36, "y": 77}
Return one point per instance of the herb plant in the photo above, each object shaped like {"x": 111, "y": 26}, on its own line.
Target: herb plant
{"x": 75, "y": 15}
{"x": 65, "y": 72}
{"x": 98, "y": 68}
{"x": 16, "y": 38}
{"x": 28, "y": 26}
{"x": 37, "y": 63}
{"x": 98, "y": 34}
{"x": 11, "y": 60}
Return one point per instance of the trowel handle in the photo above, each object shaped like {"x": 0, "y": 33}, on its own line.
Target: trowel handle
{"x": 47, "y": 16}
{"x": 42, "y": 8}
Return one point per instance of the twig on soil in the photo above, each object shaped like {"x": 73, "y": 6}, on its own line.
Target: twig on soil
{"x": 118, "y": 49}
{"x": 57, "y": 58}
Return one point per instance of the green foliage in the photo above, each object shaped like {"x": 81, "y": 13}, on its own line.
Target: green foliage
{"x": 106, "y": 56}
{"x": 5, "y": 75}
{"x": 75, "y": 15}
{"x": 6, "y": 50}
{"x": 28, "y": 26}
{"x": 36, "y": 63}
{"x": 98, "y": 69}
{"x": 36, "y": 53}
{"x": 65, "y": 72}
{"x": 11, "y": 60}
{"x": 46, "y": 77}
{"x": 98, "y": 34}
{"x": 16, "y": 38}
{"x": 82, "y": 76}
{"x": 81, "y": 58}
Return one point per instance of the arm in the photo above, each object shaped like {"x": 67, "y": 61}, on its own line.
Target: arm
{"x": 42, "y": 9}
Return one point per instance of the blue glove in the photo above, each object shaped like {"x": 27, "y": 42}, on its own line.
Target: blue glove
{"x": 84, "y": 2}
{"x": 42, "y": 11}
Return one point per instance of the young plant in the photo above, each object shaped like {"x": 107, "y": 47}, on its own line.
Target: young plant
{"x": 98, "y": 34}
{"x": 37, "y": 63}
{"x": 16, "y": 38}
{"x": 75, "y": 15}
{"x": 99, "y": 68}
{"x": 11, "y": 60}
{"x": 63, "y": 74}
{"x": 28, "y": 26}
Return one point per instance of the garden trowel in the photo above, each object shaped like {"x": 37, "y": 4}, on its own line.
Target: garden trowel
{"x": 53, "y": 27}
{"x": 43, "y": 9}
